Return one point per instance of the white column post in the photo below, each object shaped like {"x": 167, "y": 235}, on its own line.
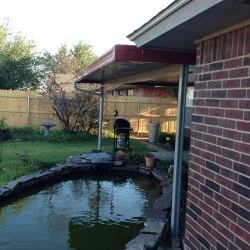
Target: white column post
{"x": 178, "y": 154}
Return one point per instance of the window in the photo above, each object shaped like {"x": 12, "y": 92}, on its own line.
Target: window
{"x": 189, "y": 106}
{"x": 130, "y": 92}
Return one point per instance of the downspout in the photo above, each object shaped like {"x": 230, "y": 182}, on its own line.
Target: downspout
{"x": 86, "y": 91}
{"x": 101, "y": 95}
{"x": 178, "y": 154}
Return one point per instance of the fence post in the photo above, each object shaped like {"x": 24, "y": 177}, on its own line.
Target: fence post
{"x": 28, "y": 110}
{"x": 138, "y": 117}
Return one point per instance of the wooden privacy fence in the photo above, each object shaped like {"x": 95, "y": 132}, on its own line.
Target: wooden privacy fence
{"x": 24, "y": 108}
{"x": 139, "y": 111}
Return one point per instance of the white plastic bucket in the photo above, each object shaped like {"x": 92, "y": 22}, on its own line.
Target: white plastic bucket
{"x": 153, "y": 132}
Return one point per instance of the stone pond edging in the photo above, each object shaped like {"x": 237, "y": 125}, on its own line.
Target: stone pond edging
{"x": 157, "y": 217}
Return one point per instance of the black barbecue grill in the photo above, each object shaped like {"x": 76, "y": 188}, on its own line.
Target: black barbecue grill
{"x": 122, "y": 131}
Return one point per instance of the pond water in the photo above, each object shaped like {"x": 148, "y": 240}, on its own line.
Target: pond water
{"x": 102, "y": 212}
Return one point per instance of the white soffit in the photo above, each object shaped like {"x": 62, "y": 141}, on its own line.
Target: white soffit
{"x": 170, "y": 18}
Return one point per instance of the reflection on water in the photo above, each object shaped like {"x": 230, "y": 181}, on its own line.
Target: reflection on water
{"x": 90, "y": 213}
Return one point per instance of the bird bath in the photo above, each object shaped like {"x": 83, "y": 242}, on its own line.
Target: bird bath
{"x": 47, "y": 126}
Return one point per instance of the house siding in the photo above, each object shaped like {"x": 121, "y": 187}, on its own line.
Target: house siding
{"x": 218, "y": 201}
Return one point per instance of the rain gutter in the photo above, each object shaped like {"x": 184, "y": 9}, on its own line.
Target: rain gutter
{"x": 86, "y": 91}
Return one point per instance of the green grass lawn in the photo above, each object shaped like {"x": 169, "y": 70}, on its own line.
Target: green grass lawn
{"x": 24, "y": 157}
{"x": 43, "y": 151}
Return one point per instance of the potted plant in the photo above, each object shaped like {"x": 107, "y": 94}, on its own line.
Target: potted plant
{"x": 150, "y": 161}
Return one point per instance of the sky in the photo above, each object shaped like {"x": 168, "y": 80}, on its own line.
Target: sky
{"x": 99, "y": 23}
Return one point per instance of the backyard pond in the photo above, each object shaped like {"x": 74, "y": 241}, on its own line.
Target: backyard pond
{"x": 95, "y": 212}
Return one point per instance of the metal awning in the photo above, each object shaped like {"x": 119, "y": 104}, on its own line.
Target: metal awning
{"x": 127, "y": 64}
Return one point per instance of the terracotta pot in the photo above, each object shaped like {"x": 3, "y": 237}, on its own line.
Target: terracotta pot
{"x": 150, "y": 161}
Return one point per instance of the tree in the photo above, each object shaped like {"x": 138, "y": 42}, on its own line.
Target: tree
{"x": 70, "y": 60}
{"x": 76, "y": 110}
{"x": 21, "y": 67}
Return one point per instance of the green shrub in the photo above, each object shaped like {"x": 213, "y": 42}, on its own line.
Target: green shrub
{"x": 5, "y": 134}
{"x": 65, "y": 136}
{"x": 171, "y": 140}
{"x": 3, "y": 124}
{"x": 167, "y": 166}
{"x": 162, "y": 138}
{"x": 35, "y": 133}
{"x": 107, "y": 133}
{"x": 26, "y": 133}
{"x": 135, "y": 157}
{"x": 167, "y": 137}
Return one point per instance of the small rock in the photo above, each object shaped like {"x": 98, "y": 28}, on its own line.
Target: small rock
{"x": 26, "y": 178}
{"x": 175, "y": 242}
{"x": 163, "y": 202}
{"x": 154, "y": 227}
{"x": 165, "y": 183}
{"x": 167, "y": 190}
{"x": 58, "y": 168}
{"x": 144, "y": 171}
{"x": 11, "y": 185}
{"x": 143, "y": 240}
{"x": 98, "y": 157}
{"x": 156, "y": 214}
{"x": 118, "y": 163}
{"x": 4, "y": 191}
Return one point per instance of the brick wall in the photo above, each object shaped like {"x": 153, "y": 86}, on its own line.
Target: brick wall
{"x": 155, "y": 92}
{"x": 218, "y": 203}
{"x": 149, "y": 92}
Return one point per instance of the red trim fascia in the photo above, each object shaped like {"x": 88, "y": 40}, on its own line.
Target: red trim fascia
{"x": 133, "y": 54}
{"x": 102, "y": 61}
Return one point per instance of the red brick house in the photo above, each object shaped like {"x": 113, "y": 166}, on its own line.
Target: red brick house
{"x": 218, "y": 204}
{"x": 218, "y": 33}
{"x": 145, "y": 91}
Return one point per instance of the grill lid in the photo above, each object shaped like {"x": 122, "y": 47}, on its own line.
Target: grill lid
{"x": 121, "y": 123}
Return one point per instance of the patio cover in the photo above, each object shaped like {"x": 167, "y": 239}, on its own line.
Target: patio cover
{"x": 127, "y": 64}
